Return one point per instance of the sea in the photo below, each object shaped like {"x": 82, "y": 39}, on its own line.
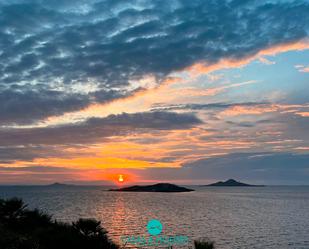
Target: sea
{"x": 271, "y": 217}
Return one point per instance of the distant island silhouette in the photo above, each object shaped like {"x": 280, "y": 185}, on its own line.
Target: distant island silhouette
{"x": 57, "y": 184}
{"x": 159, "y": 187}
{"x": 231, "y": 183}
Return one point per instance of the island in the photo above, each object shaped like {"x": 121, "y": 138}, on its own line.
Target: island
{"x": 159, "y": 187}
{"x": 231, "y": 183}
{"x": 57, "y": 185}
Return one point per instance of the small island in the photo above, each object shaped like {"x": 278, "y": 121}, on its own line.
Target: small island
{"x": 159, "y": 187}
{"x": 231, "y": 183}
{"x": 57, "y": 185}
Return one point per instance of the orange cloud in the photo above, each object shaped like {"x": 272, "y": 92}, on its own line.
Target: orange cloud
{"x": 302, "y": 148}
{"x": 203, "y": 68}
{"x": 99, "y": 163}
{"x": 266, "y": 61}
{"x": 303, "y": 114}
{"x": 248, "y": 110}
{"x": 263, "y": 109}
{"x": 214, "y": 90}
{"x": 304, "y": 70}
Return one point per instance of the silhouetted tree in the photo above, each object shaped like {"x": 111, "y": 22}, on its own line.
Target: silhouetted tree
{"x": 89, "y": 227}
{"x": 11, "y": 210}
{"x": 203, "y": 244}
{"x": 21, "y": 228}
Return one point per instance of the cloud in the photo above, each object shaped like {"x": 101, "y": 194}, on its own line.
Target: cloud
{"x": 262, "y": 109}
{"x": 23, "y": 107}
{"x": 215, "y": 90}
{"x": 266, "y": 61}
{"x": 108, "y": 44}
{"x": 98, "y": 129}
{"x": 303, "y": 114}
{"x": 267, "y": 167}
{"x": 302, "y": 68}
{"x": 256, "y": 167}
{"x": 37, "y": 169}
{"x": 241, "y": 108}
{"x": 9, "y": 154}
{"x": 209, "y": 106}
{"x": 249, "y": 110}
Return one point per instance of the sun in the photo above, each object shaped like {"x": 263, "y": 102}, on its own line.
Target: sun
{"x": 120, "y": 179}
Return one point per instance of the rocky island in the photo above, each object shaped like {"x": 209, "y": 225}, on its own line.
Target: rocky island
{"x": 231, "y": 183}
{"x": 159, "y": 187}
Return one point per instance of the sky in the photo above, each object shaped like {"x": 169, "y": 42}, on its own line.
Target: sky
{"x": 179, "y": 91}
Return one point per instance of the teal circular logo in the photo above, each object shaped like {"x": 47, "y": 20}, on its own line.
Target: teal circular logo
{"x": 154, "y": 227}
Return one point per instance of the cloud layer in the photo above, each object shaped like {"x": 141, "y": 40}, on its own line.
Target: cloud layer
{"x": 105, "y": 45}
{"x": 97, "y": 129}
{"x": 93, "y": 85}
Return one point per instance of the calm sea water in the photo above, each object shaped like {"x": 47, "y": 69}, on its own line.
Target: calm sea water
{"x": 235, "y": 218}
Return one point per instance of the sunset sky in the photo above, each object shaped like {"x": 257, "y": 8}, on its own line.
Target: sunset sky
{"x": 156, "y": 90}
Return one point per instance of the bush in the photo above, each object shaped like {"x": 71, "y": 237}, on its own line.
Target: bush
{"x": 21, "y": 228}
{"x": 203, "y": 244}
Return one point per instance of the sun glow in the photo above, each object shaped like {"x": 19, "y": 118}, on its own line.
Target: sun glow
{"x": 120, "y": 179}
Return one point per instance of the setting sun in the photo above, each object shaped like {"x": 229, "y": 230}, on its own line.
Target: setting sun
{"x": 120, "y": 179}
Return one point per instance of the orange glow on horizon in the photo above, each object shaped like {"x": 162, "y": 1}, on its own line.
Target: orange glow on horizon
{"x": 96, "y": 163}
{"x": 120, "y": 178}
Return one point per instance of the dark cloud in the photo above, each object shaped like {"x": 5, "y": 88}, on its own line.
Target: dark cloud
{"x": 108, "y": 43}
{"x": 9, "y": 154}
{"x": 263, "y": 168}
{"x": 209, "y": 106}
{"x": 296, "y": 126}
{"x": 268, "y": 167}
{"x": 97, "y": 129}
{"x": 23, "y": 107}
{"x": 242, "y": 124}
